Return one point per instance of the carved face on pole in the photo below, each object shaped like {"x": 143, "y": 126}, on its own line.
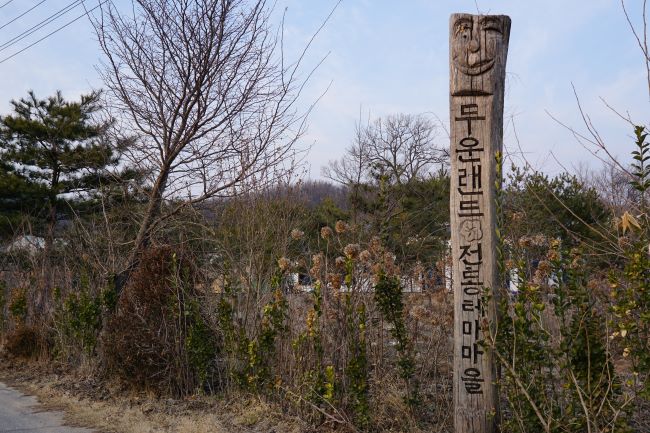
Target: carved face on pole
{"x": 475, "y": 48}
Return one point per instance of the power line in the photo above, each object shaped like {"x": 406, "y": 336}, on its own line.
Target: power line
{"x": 53, "y": 32}
{"x": 41, "y": 24}
{"x": 23, "y": 14}
{"x": 6, "y": 4}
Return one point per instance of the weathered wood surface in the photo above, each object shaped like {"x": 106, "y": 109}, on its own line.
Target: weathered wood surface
{"x": 478, "y": 51}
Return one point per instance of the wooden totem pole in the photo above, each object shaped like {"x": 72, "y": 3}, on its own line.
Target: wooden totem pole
{"x": 478, "y": 50}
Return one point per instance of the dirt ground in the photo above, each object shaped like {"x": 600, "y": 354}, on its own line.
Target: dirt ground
{"x": 107, "y": 408}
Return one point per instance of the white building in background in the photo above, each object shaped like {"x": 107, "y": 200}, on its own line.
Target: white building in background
{"x": 29, "y": 244}
{"x": 25, "y": 243}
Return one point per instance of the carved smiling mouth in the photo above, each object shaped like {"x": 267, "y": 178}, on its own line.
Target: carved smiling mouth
{"x": 475, "y": 69}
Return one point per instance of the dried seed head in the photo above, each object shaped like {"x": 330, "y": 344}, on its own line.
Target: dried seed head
{"x": 340, "y": 227}
{"x": 525, "y": 241}
{"x": 297, "y": 234}
{"x": 318, "y": 261}
{"x": 326, "y": 232}
{"x": 544, "y": 266}
{"x": 352, "y": 251}
{"x": 375, "y": 245}
{"x": 365, "y": 256}
{"x": 334, "y": 281}
{"x": 539, "y": 240}
{"x": 283, "y": 263}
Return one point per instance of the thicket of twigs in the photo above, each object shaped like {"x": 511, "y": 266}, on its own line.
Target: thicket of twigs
{"x": 329, "y": 334}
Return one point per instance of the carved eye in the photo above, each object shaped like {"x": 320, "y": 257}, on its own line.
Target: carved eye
{"x": 491, "y": 25}
{"x": 464, "y": 29}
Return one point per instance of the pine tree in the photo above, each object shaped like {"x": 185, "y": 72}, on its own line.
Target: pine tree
{"x": 54, "y": 152}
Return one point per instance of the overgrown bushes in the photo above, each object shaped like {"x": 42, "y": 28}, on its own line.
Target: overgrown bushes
{"x": 553, "y": 348}
{"x": 334, "y": 340}
{"x": 158, "y": 338}
{"x": 362, "y": 350}
{"x": 573, "y": 339}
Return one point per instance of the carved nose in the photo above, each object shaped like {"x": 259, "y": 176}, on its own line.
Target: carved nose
{"x": 474, "y": 46}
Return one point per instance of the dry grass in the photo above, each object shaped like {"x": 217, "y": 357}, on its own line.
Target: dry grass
{"x": 107, "y": 412}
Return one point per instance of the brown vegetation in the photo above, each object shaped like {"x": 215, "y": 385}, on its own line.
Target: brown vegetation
{"x": 145, "y": 342}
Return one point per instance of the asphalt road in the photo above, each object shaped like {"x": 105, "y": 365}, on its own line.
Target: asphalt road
{"x": 19, "y": 413}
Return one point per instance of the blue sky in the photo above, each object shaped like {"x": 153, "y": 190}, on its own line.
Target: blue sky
{"x": 387, "y": 56}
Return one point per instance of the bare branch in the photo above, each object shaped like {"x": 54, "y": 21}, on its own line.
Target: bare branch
{"x": 205, "y": 86}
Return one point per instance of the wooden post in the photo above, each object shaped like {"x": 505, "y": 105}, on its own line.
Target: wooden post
{"x": 478, "y": 47}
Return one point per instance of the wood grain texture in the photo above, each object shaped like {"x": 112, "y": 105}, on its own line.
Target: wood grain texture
{"x": 478, "y": 52}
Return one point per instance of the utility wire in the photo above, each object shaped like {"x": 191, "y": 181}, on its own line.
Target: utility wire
{"x": 53, "y": 32}
{"x": 23, "y": 14}
{"x": 6, "y": 4}
{"x": 40, "y": 25}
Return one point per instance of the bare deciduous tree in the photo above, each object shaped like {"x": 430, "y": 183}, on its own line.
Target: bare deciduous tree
{"x": 401, "y": 147}
{"x": 205, "y": 87}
